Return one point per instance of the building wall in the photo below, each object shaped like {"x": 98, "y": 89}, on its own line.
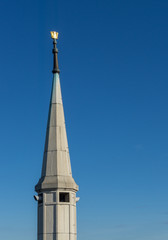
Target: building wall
{"x": 56, "y": 217}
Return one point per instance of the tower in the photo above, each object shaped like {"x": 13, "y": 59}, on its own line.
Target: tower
{"x": 56, "y": 188}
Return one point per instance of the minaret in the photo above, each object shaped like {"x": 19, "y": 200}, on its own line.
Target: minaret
{"x": 56, "y": 188}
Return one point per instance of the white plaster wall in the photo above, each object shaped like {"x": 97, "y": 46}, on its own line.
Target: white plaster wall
{"x": 57, "y": 220}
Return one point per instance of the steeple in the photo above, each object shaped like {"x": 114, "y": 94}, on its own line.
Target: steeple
{"x": 56, "y": 188}
{"x": 56, "y": 170}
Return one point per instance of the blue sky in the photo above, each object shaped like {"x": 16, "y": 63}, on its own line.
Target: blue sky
{"x": 113, "y": 57}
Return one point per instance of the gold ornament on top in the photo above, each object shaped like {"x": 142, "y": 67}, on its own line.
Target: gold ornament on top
{"x": 54, "y": 35}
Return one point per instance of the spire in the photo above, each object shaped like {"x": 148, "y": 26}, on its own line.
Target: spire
{"x": 56, "y": 170}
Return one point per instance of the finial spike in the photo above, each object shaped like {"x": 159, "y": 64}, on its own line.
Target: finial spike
{"x": 54, "y": 36}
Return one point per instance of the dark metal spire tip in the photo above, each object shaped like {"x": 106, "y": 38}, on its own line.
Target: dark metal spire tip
{"x": 54, "y": 36}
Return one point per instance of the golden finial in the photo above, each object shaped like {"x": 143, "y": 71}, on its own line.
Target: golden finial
{"x": 54, "y": 35}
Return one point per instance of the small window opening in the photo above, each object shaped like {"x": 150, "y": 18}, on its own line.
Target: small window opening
{"x": 40, "y": 198}
{"x": 64, "y": 197}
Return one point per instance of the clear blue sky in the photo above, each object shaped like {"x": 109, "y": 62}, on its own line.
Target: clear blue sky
{"x": 113, "y": 57}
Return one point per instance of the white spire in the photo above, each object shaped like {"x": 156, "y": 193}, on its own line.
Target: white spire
{"x": 56, "y": 170}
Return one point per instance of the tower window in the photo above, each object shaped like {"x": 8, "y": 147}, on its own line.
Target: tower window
{"x": 40, "y": 198}
{"x": 63, "y": 197}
